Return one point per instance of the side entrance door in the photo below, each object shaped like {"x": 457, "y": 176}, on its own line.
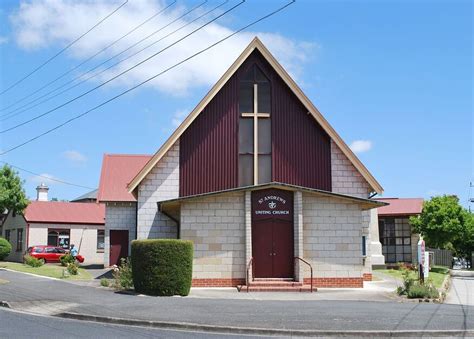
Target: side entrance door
{"x": 118, "y": 246}
{"x": 272, "y": 234}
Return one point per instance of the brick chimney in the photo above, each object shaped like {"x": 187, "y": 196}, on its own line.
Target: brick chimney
{"x": 42, "y": 192}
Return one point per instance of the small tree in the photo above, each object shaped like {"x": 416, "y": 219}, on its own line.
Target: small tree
{"x": 444, "y": 223}
{"x": 12, "y": 194}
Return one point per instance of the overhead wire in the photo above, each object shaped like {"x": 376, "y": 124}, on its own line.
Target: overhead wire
{"x": 12, "y": 113}
{"x": 89, "y": 58}
{"x": 147, "y": 80}
{"x": 125, "y": 71}
{"x": 62, "y": 50}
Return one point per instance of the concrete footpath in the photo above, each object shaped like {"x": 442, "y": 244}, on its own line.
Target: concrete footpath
{"x": 462, "y": 288}
{"x": 229, "y": 315}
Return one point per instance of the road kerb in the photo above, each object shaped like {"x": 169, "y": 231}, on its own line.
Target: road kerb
{"x": 261, "y": 331}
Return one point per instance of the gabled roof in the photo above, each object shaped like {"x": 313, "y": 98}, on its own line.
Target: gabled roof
{"x": 400, "y": 206}
{"x": 117, "y": 171}
{"x": 256, "y": 44}
{"x": 92, "y": 195}
{"x": 65, "y": 212}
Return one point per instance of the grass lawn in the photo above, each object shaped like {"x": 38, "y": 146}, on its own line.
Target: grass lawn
{"x": 437, "y": 274}
{"x": 47, "y": 270}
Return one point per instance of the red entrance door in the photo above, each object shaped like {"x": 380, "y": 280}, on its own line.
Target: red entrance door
{"x": 272, "y": 233}
{"x": 118, "y": 246}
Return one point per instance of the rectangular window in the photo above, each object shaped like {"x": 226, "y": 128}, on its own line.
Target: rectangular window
{"x": 100, "y": 239}
{"x": 59, "y": 238}
{"x": 19, "y": 239}
{"x": 7, "y": 235}
{"x": 395, "y": 237}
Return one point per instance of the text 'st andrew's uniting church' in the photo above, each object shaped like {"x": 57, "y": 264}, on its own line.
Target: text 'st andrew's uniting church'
{"x": 254, "y": 175}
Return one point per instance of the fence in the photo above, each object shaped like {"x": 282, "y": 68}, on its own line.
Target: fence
{"x": 441, "y": 257}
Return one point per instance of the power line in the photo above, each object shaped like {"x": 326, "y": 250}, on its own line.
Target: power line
{"x": 88, "y": 59}
{"x": 9, "y": 115}
{"x": 62, "y": 50}
{"x": 148, "y": 80}
{"x": 46, "y": 177}
{"x": 113, "y": 65}
{"x": 126, "y": 71}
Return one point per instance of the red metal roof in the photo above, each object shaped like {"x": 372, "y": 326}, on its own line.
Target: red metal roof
{"x": 117, "y": 171}
{"x": 65, "y": 212}
{"x": 400, "y": 206}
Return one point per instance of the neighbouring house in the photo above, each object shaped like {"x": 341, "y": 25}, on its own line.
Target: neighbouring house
{"x": 399, "y": 241}
{"x": 88, "y": 197}
{"x": 57, "y": 224}
{"x": 121, "y": 206}
{"x": 256, "y": 178}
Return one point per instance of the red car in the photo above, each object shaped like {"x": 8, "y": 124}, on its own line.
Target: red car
{"x": 49, "y": 253}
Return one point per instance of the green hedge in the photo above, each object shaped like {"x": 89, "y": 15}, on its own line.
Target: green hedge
{"x": 5, "y": 248}
{"x": 162, "y": 266}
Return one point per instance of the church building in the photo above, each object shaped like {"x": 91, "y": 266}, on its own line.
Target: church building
{"x": 257, "y": 179}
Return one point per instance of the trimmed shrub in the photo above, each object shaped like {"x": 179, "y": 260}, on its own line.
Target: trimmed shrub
{"x": 5, "y": 248}
{"x": 67, "y": 259}
{"x": 104, "y": 282}
{"x": 72, "y": 269}
{"x": 162, "y": 266}
{"x": 32, "y": 261}
{"x": 123, "y": 275}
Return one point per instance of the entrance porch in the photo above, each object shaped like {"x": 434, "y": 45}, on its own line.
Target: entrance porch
{"x": 272, "y": 235}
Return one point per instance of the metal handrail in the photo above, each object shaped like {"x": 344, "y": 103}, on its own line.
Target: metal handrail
{"x": 310, "y": 267}
{"x": 249, "y": 266}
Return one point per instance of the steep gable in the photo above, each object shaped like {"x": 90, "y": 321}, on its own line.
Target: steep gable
{"x": 305, "y": 102}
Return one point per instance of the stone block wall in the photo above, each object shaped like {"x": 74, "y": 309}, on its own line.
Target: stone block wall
{"x": 162, "y": 183}
{"x": 119, "y": 216}
{"x": 216, "y": 225}
{"x": 346, "y": 179}
{"x": 332, "y": 233}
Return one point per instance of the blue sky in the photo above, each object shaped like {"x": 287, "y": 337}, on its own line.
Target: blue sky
{"x": 396, "y": 76}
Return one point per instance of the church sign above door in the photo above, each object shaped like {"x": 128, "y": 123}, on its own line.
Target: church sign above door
{"x": 272, "y": 204}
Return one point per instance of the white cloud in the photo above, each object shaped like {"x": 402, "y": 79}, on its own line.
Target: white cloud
{"x": 46, "y": 178}
{"x": 361, "y": 146}
{"x": 178, "y": 117}
{"x": 3, "y": 40}
{"x": 74, "y": 156}
{"x": 41, "y": 24}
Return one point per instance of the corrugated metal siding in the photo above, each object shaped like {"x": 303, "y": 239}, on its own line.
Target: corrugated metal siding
{"x": 301, "y": 152}
{"x": 209, "y": 147}
{"x": 301, "y": 148}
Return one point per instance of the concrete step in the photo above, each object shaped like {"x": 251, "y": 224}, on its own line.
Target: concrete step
{"x": 275, "y": 283}
{"x": 277, "y": 288}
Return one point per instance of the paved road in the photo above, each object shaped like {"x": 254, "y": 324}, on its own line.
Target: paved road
{"x": 19, "y": 325}
{"x": 51, "y": 296}
{"x": 461, "y": 291}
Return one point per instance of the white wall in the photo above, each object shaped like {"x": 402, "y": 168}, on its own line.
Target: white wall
{"x": 13, "y": 223}
{"x": 83, "y": 236}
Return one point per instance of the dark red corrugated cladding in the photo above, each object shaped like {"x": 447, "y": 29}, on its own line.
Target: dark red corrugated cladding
{"x": 301, "y": 148}
{"x": 301, "y": 153}
{"x": 209, "y": 147}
